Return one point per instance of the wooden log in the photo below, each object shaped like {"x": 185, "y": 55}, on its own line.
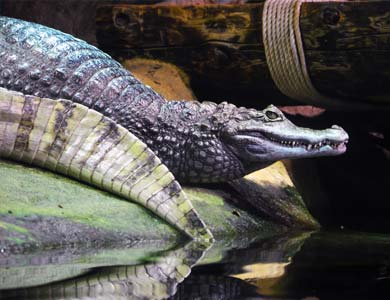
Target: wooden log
{"x": 347, "y": 45}
{"x": 218, "y": 46}
{"x": 218, "y": 43}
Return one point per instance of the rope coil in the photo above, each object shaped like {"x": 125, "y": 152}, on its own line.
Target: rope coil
{"x": 285, "y": 53}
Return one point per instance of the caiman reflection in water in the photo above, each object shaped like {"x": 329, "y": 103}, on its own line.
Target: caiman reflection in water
{"x": 301, "y": 266}
{"x": 160, "y": 279}
{"x": 156, "y": 280}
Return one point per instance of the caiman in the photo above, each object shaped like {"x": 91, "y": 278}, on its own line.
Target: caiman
{"x": 198, "y": 142}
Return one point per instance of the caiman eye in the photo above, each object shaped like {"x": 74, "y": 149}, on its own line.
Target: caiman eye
{"x": 271, "y": 115}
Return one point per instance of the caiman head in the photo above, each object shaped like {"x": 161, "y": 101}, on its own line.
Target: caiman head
{"x": 259, "y": 138}
{"x": 236, "y": 141}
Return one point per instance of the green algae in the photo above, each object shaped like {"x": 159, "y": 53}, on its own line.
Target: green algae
{"x": 15, "y": 234}
{"x": 8, "y": 226}
{"x": 31, "y": 192}
{"x": 225, "y": 219}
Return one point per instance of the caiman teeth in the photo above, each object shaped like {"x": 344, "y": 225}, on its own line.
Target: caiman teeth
{"x": 309, "y": 146}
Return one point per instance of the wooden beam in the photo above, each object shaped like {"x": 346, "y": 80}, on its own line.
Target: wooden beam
{"x": 347, "y": 44}
{"x": 218, "y": 43}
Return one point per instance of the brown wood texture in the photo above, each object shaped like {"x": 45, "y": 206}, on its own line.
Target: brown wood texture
{"x": 220, "y": 46}
{"x": 218, "y": 43}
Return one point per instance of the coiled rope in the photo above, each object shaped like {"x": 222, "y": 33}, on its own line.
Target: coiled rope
{"x": 285, "y": 52}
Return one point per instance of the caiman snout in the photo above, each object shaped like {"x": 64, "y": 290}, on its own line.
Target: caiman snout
{"x": 340, "y": 134}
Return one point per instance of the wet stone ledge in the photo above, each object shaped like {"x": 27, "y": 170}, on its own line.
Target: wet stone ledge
{"x": 40, "y": 209}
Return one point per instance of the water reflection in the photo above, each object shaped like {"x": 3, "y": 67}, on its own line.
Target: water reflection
{"x": 294, "y": 266}
{"x": 19, "y": 270}
{"x": 157, "y": 279}
{"x": 239, "y": 273}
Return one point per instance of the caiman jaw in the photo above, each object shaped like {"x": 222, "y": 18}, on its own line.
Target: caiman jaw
{"x": 336, "y": 145}
{"x": 328, "y": 145}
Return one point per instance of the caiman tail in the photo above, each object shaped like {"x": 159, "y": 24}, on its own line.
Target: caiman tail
{"x": 70, "y": 139}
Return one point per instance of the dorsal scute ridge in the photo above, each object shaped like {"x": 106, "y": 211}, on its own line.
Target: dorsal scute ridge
{"x": 45, "y": 62}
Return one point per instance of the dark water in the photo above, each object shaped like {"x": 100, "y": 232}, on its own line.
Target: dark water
{"x": 308, "y": 266}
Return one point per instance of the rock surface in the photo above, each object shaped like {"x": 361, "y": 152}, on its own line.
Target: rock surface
{"x": 272, "y": 193}
{"x": 69, "y": 212}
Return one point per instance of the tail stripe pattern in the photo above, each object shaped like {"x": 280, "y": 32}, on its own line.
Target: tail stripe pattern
{"x": 73, "y": 140}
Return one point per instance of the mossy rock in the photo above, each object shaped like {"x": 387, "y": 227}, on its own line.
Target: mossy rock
{"x": 42, "y": 209}
{"x": 272, "y": 192}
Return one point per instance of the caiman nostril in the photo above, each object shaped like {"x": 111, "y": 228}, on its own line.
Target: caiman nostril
{"x": 336, "y": 127}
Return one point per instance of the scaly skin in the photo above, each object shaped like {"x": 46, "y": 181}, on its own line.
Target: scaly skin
{"x": 199, "y": 142}
{"x": 70, "y": 139}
